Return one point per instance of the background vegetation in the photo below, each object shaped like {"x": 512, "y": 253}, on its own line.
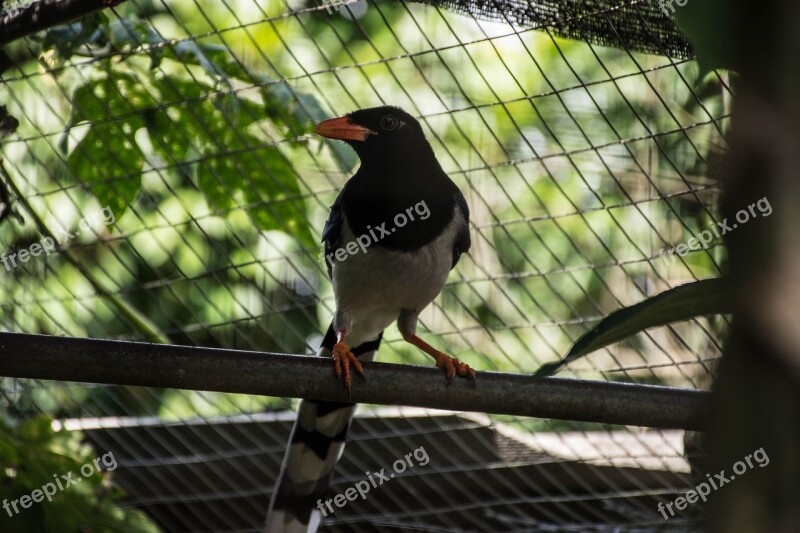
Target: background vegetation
{"x": 193, "y": 122}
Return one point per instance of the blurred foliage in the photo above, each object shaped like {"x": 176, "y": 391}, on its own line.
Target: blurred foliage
{"x": 710, "y": 26}
{"x": 210, "y": 122}
{"x": 192, "y": 122}
{"x": 32, "y": 455}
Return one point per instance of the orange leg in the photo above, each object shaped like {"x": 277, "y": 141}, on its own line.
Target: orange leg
{"x": 342, "y": 359}
{"x": 451, "y": 365}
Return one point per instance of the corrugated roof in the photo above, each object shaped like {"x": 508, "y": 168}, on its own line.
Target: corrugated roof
{"x": 480, "y": 475}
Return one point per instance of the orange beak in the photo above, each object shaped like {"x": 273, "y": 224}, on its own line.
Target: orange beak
{"x": 343, "y": 129}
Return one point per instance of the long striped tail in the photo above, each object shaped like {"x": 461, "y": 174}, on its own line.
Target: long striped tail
{"x": 317, "y": 441}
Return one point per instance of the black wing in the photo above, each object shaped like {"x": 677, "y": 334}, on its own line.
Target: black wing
{"x": 463, "y": 240}
{"x": 332, "y": 229}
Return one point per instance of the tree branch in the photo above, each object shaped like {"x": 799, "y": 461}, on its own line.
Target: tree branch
{"x": 270, "y": 374}
{"x": 43, "y": 14}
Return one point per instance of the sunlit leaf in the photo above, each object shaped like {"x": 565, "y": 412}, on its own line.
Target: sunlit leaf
{"x": 260, "y": 175}
{"x": 107, "y": 158}
{"x": 108, "y": 161}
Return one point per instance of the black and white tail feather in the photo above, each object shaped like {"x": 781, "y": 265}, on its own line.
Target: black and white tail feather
{"x": 315, "y": 446}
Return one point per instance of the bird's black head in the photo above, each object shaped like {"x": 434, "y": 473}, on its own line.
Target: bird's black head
{"x": 386, "y": 134}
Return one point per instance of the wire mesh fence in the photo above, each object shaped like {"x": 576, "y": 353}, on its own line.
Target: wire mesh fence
{"x": 166, "y": 148}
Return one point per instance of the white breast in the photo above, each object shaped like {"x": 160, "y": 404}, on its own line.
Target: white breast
{"x": 373, "y": 288}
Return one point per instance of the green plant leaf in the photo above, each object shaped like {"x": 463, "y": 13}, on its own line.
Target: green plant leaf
{"x": 709, "y": 25}
{"x": 201, "y": 130}
{"x": 134, "y": 34}
{"x": 107, "y": 158}
{"x": 234, "y": 166}
{"x": 699, "y": 298}
{"x": 207, "y": 56}
{"x": 68, "y": 38}
{"x": 260, "y": 173}
{"x": 39, "y": 455}
{"x": 300, "y": 112}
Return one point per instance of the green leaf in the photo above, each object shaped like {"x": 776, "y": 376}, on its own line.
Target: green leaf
{"x": 709, "y": 25}
{"x": 110, "y": 97}
{"x": 134, "y": 34}
{"x": 190, "y": 52}
{"x": 344, "y": 155}
{"x": 107, "y": 160}
{"x": 107, "y": 157}
{"x": 41, "y": 454}
{"x": 194, "y": 127}
{"x": 69, "y": 37}
{"x": 283, "y": 104}
{"x": 304, "y": 112}
{"x": 235, "y": 167}
{"x": 175, "y": 126}
{"x": 263, "y": 178}
{"x": 699, "y": 298}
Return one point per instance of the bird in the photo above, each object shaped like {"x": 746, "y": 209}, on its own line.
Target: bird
{"x": 395, "y": 231}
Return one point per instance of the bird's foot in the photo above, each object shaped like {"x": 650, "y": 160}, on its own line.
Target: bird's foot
{"x": 342, "y": 359}
{"x": 453, "y": 366}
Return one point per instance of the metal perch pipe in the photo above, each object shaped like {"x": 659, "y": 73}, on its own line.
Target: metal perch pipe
{"x": 285, "y": 375}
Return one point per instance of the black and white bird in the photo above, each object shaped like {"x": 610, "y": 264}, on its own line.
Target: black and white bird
{"x": 394, "y": 233}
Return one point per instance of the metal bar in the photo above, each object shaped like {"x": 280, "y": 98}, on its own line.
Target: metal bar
{"x": 272, "y": 374}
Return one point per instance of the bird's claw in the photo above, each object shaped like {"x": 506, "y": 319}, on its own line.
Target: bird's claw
{"x": 453, "y": 366}
{"x": 342, "y": 359}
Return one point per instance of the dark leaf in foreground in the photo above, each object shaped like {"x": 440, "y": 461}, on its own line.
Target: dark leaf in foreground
{"x": 699, "y": 298}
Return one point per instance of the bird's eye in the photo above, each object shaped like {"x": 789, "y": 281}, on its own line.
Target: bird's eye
{"x": 389, "y": 122}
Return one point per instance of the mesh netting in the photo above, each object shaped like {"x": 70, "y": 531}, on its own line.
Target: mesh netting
{"x": 188, "y": 123}
{"x": 636, "y": 26}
